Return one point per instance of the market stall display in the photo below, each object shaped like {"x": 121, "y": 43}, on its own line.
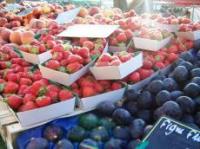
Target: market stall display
{"x": 62, "y": 61}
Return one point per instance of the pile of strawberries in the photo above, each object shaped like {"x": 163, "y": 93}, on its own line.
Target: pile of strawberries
{"x": 189, "y": 27}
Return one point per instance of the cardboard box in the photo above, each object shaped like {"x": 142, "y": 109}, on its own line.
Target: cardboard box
{"x": 141, "y": 84}
{"x": 37, "y": 58}
{"x": 151, "y": 45}
{"x": 118, "y": 48}
{"x": 67, "y": 16}
{"x": 168, "y": 27}
{"x": 189, "y": 35}
{"x": 93, "y": 101}
{"x": 118, "y": 72}
{"x": 88, "y": 30}
{"x": 45, "y": 114}
{"x": 61, "y": 77}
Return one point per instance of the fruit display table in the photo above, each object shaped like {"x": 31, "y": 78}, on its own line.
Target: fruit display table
{"x": 74, "y": 77}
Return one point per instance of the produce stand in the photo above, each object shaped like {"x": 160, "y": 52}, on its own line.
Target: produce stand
{"x": 92, "y": 77}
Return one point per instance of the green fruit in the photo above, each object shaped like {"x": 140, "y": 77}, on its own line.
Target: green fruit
{"x": 99, "y": 134}
{"x": 88, "y": 121}
{"x": 107, "y": 123}
{"x": 76, "y": 134}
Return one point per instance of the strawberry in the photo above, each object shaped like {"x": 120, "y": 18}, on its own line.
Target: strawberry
{"x": 98, "y": 87}
{"x": 173, "y": 49}
{"x": 159, "y": 57}
{"x": 57, "y": 56}
{"x": 116, "y": 86}
{"x": 77, "y": 91}
{"x": 34, "y": 50}
{"x": 189, "y": 44}
{"x": 65, "y": 95}
{"x": 30, "y": 105}
{"x": 10, "y": 87}
{"x": 172, "y": 57}
{"x": 51, "y": 44}
{"x": 145, "y": 73}
{"x": 12, "y": 77}
{"x": 121, "y": 37}
{"x": 14, "y": 101}
{"x": 53, "y": 64}
{"x": 106, "y": 84}
{"x": 159, "y": 65}
{"x": 88, "y": 44}
{"x": 128, "y": 33}
{"x": 52, "y": 87}
{"x": 42, "y": 48}
{"x": 66, "y": 54}
{"x": 83, "y": 52}
{"x": 74, "y": 67}
{"x": 125, "y": 57}
{"x": 86, "y": 82}
{"x": 100, "y": 64}
{"x": 82, "y": 40}
{"x": 4, "y": 65}
{"x": 113, "y": 41}
{"x": 75, "y": 58}
{"x": 147, "y": 64}
{"x": 43, "y": 101}
{"x": 28, "y": 97}
{"x": 88, "y": 91}
{"x": 115, "y": 63}
{"x": 23, "y": 89}
{"x": 58, "y": 48}
{"x": 25, "y": 81}
{"x": 105, "y": 57}
{"x": 38, "y": 88}
{"x": 134, "y": 77}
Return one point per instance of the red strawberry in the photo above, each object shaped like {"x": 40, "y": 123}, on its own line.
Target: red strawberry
{"x": 14, "y": 101}
{"x": 51, "y": 44}
{"x": 77, "y": 91}
{"x": 134, "y": 77}
{"x": 82, "y": 40}
{"x": 125, "y": 57}
{"x": 113, "y": 41}
{"x": 57, "y": 56}
{"x": 173, "y": 49}
{"x": 159, "y": 65}
{"x": 145, "y": 73}
{"x": 12, "y": 77}
{"x": 88, "y": 44}
{"x": 128, "y": 33}
{"x": 115, "y": 63}
{"x": 4, "y": 65}
{"x": 106, "y": 84}
{"x": 65, "y": 95}
{"x": 28, "y": 97}
{"x": 25, "y": 81}
{"x": 83, "y": 52}
{"x": 23, "y": 89}
{"x": 172, "y": 57}
{"x": 159, "y": 58}
{"x": 75, "y": 58}
{"x": 121, "y": 37}
{"x": 43, "y": 101}
{"x": 116, "y": 86}
{"x": 10, "y": 87}
{"x": 147, "y": 64}
{"x": 30, "y": 105}
{"x": 86, "y": 82}
{"x": 58, "y": 48}
{"x": 53, "y": 64}
{"x": 88, "y": 91}
{"x": 100, "y": 64}
{"x": 74, "y": 67}
{"x": 42, "y": 48}
{"x": 98, "y": 87}
{"x": 66, "y": 54}
{"x": 105, "y": 57}
{"x": 52, "y": 87}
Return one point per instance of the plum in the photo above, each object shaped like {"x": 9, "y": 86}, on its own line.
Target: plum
{"x": 99, "y": 134}
{"x": 122, "y": 133}
{"x": 186, "y": 103}
{"x": 64, "y": 144}
{"x": 137, "y": 128}
{"x": 155, "y": 86}
{"x": 160, "y": 77}
{"x": 37, "y": 143}
{"x": 197, "y": 103}
{"x": 180, "y": 74}
{"x": 133, "y": 144}
{"x": 114, "y": 144}
{"x": 175, "y": 94}
{"x": 162, "y": 97}
{"x": 187, "y": 118}
{"x": 131, "y": 95}
{"x": 53, "y": 133}
{"x": 192, "y": 89}
{"x": 88, "y": 121}
{"x": 195, "y": 72}
{"x": 158, "y": 113}
{"x": 88, "y": 144}
{"x": 106, "y": 108}
{"x": 171, "y": 109}
{"x": 132, "y": 107}
{"x": 187, "y": 64}
{"x": 170, "y": 84}
{"x": 187, "y": 56}
{"x": 145, "y": 100}
{"x": 146, "y": 115}
{"x": 121, "y": 116}
{"x": 197, "y": 118}
{"x": 196, "y": 80}
{"x": 76, "y": 134}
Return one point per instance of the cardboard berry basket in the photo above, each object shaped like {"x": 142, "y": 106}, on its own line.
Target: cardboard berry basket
{"x": 195, "y": 35}
{"x": 118, "y": 72}
{"x": 45, "y": 114}
{"x": 151, "y": 45}
{"x": 36, "y": 58}
{"x": 120, "y": 48}
{"x": 93, "y": 101}
{"x": 169, "y": 27}
{"x": 62, "y": 77}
